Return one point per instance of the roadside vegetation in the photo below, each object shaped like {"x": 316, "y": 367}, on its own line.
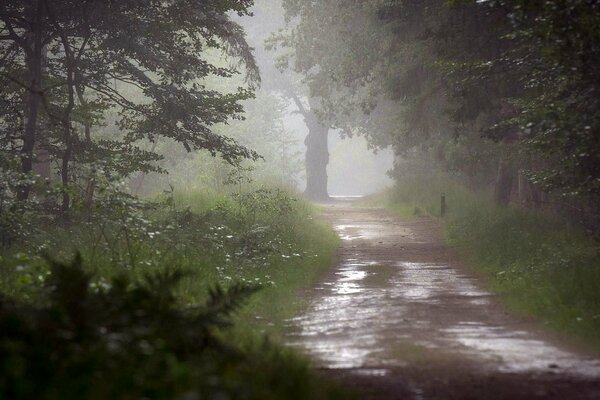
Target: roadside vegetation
{"x": 151, "y": 244}
{"x": 541, "y": 264}
{"x": 152, "y": 303}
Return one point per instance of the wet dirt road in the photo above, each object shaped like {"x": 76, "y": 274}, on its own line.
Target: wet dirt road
{"x": 399, "y": 317}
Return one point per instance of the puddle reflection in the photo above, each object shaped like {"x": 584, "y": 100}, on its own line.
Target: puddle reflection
{"x": 516, "y": 351}
{"x": 368, "y": 311}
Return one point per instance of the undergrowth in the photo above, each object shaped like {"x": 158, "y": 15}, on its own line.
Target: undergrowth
{"x": 263, "y": 237}
{"x": 132, "y": 340}
{"x": 538, "y": 262}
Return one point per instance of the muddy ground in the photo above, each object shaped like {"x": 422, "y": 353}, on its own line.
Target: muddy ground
{"x": 400, "y": 317}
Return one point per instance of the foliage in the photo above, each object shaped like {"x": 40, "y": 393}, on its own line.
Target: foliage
{"x": 263, "y": 130}
{"x": 14, "y": 215}
{"x": 128, "y": 341}
{"x": 262, "y": 235}
{"x": 73, "y": 64}
{"x": 558, "y": 57}
{"x": 507, "y": 86}
{"x": 203, "y": 241}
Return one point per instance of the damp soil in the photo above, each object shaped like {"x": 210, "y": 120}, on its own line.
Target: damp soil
{"x": 400, "y": 317}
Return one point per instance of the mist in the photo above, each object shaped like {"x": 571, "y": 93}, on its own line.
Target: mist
{"x": 298, "y": 199}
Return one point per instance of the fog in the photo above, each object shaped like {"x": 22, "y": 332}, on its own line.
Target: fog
{"x": 299, "y": 199}
{"x": 354, "y": 169}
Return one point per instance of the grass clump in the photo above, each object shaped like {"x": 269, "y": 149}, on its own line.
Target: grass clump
{"x": 538, "y": 262}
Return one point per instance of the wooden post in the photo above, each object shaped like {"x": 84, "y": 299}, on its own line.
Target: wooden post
{"x": 443, "y": 206}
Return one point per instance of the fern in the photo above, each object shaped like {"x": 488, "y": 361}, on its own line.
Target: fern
{"x": 131, "y": 340}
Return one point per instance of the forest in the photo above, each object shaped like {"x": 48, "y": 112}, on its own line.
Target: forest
{"x": 298, "y": 199}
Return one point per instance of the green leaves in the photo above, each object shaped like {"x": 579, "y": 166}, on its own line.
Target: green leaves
{"x": 472, "y": 77}
{"x": 127, "y": 340}
{"x": 117, "y": 75}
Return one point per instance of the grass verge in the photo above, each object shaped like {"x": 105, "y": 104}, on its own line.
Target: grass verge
{"x": 260, "y": 237}
{"x": 539, "y": 263}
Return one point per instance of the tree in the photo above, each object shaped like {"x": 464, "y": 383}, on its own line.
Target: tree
{"x": 76, "y": 60}
{"x": 508, "y": 85}
{"x": 558, "y": 57}
{"x": 268, "y": 17}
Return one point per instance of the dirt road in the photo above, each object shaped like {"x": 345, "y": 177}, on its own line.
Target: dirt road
{"x": 399, "y": 317}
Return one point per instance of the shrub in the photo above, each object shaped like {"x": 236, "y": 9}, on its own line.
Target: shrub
{"x": 122, "y": 340}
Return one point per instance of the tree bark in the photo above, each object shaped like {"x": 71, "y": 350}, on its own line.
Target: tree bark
{"x": 41, "y": 165}
{"x": 34, "y": 59}
{"x": 504, "y": 182}
{"x": 70, "y": 67}
{"x": 91, "y": 181}
{"x": 317, "y": 153}
{"x": 317, "y": 158}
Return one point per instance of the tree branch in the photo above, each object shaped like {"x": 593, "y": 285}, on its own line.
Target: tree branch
{"x": 13, "y": 35}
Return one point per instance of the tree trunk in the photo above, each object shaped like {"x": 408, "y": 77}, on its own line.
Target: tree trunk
{"x": 317, "y": 152}
{"x": 504, "y": 182}
{"x": 70, "y": 62}
{"x": 317, "y": 158}
{"x": 64, "y": 170}
{"x": 536, "y": 195}
{"x": 41, "y": 166}
{"x": 34, "y": 59}
{"x": 90, "y": 186}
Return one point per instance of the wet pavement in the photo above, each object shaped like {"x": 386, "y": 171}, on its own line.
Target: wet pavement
{"x": 400, "y": 314}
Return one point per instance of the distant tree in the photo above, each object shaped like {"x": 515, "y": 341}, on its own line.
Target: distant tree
{"x": 506, "y": 85}
{"x": 336, "y": 48}
{"x": 266, "y": 25}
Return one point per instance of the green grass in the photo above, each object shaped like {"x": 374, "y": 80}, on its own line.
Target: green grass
{"x": 263, "y": 237}
{"x": 539, "y": 263}
{"x": 284, "y": 298}
{"x": 210, "y": 236}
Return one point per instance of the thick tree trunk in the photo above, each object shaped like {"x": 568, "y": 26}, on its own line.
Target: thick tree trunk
{"x": 317, "y": 158}
{"x": 317, "y": 152}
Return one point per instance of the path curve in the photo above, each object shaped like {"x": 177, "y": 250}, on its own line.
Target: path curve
{"x": 400, "y": 317}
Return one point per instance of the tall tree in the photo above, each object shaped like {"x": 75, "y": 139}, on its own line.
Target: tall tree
{"x": 476, "y": 84}
{"x": 268, "y": 19}
{"x": 80, "y": 59}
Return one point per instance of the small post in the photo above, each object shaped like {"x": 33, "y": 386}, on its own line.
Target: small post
{"x": 443, "y": 206}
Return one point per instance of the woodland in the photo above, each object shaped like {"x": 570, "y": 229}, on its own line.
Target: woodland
{"x": 156, "y": 207}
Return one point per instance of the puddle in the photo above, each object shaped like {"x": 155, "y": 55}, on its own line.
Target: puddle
{"x": 352, "y": 232}
{"x": 374, "y": 303}
{"x": 371, "y": 372}
{"x": 517, "y": 351}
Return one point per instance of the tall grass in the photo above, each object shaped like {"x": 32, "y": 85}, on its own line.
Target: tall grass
{"x": 264, "y": 236}
{"x": 538, "y": 262}
{"x": 261, "y": 236}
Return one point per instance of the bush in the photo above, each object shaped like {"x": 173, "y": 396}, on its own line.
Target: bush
{"x": 128, "y": 341}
